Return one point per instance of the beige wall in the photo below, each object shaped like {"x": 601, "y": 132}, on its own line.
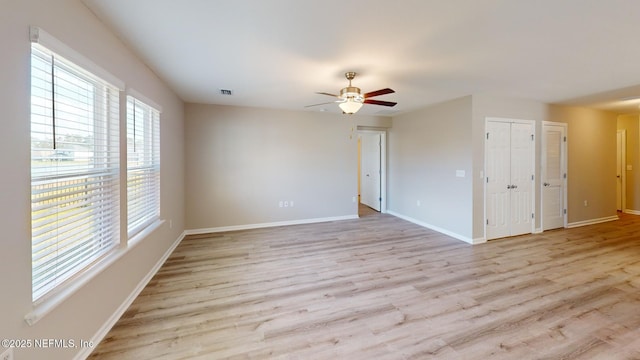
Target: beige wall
{"x": 241, "y": 162}
{"x": 631, "y": 124}
{"x": 591, "y": 154}
{"x": 591, "y": 164}
{"x": 426, "y": 148}
{"x": 428, "y": 145}
{"x": 85, "y": 312}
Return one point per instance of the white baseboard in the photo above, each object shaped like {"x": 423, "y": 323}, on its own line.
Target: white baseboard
{"x": 104, "y": 330}
{"x": 632, "y": 212}
{"x": 438, "y": 229}
{"x": 592, "y": 221}
{"x": 270, "y": 224}
{"x": 480, "y": 240}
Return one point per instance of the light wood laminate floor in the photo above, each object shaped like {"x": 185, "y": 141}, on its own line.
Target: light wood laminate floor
{"x": 382, "y": 288}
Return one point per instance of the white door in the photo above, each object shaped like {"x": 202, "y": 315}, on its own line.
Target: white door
{"x": 509, "y": 178}
{"x": 553, "y": 176}
{"x": 498, "y": 176}
{"x": 370, "y": 167}
{"x": 620, "y": 168}
{"x": 522, "y": 170}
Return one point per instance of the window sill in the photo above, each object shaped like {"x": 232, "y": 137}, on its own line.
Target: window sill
{"x": 41, "y": 309}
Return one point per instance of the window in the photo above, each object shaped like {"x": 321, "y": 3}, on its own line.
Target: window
{"x": 143, "y": 165}
{"x": 74, "y": 169}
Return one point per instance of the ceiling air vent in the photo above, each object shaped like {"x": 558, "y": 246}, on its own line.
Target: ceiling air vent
{"x": 226, "y": 92}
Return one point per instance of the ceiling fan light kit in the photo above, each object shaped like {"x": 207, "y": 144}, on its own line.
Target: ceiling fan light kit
{"x": 351, "y": 99}
{"x": 351, "y": 106}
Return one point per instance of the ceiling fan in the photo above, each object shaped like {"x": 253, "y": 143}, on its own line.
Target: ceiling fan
{"x": 351, "y": 100}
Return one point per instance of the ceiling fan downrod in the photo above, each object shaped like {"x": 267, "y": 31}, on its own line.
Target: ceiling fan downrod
{"x": 351, "y": 91}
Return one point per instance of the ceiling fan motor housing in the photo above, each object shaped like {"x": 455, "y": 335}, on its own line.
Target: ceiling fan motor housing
{"x": 351, "y": 92}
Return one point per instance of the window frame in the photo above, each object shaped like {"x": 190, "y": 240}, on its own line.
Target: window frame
{"x": 90, "y": 188}
{"x": 143, "y": 207}
{"x": 47, "y": 303}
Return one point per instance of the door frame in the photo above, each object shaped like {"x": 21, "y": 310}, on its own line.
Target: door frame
{"x": 383, "y": 165}
{"x": 533, "y": 162}
{"x": 564, "y": 164}
{"x": 623, "y": 167}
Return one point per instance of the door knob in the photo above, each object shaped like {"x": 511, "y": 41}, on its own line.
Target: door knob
{"x": 514, "y": 186}
{"x": 546, "y": 184}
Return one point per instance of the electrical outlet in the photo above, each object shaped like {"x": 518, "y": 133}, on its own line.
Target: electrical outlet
{"x": 7, "y": 354}
{"x": 170, "y": 224}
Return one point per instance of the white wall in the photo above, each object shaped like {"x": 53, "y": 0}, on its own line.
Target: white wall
{"x": 426, "y": 148}
{"x": 241, "y": 162}
{"x": 84, "y": 313}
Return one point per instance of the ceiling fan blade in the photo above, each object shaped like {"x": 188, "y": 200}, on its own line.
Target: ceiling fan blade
{"x": 378, "y": 93}
{"x": 378, "y": 102}
{"x": 330, "y": 102}
{"x": 324, "y": 93}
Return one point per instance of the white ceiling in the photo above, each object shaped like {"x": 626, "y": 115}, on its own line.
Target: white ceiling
{"x": 278, "y": 53}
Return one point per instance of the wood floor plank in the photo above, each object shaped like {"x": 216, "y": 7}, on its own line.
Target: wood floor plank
{"x": 379, "y": 287}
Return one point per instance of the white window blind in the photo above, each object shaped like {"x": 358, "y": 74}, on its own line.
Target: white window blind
{"x": 143, "y": 165}
{"x": 74, "y": 170}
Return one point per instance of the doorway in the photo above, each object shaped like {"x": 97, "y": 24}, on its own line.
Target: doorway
{"x": 372, "y": 169}
{"x": 553, "y": 179}
{"x": 621, "y": 160}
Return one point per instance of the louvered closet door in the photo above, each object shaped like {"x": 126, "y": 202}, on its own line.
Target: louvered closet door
{"x": 509, "y": 183}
